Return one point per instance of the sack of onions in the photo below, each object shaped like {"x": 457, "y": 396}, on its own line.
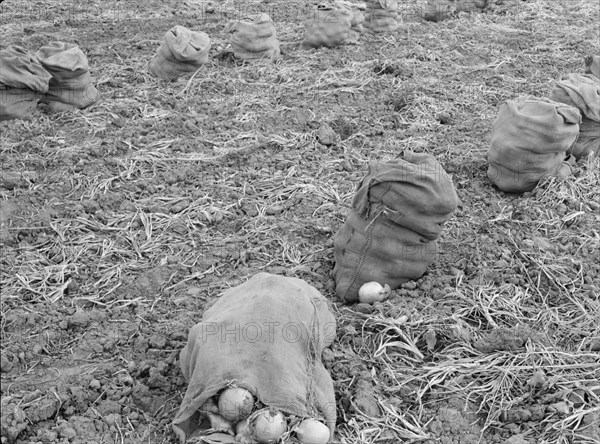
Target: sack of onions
{"x": 246, "y": 361}
{"x": 390, "y": 235}
{"x": 328, "y": 27}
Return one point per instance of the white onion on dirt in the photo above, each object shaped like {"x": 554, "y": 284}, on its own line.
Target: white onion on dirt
{"x": 235, "y": 403}
{"x": 402, "y": 319}
{"x": 311, "y": 431}
{"x": 373, "y": 292}
{"x": 267, "y": 426}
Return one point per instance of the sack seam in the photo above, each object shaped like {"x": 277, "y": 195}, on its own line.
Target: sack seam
{"x": 363, "y": 253}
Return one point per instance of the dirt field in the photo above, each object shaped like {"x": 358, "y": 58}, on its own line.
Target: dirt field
{"x": 119, "y": 222}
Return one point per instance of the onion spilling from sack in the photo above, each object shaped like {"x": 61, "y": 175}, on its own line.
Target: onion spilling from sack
{"x": 242, "y": 432}
{"x": 235, "y": 404}
{"x": 222, "y": 375}
{"x": 311, "y": 431}
{"x": 373, "y": 292}
{"x": 267, "y": 425}
{"x": 219, "y": 424}
{"x": 241, "y": 428}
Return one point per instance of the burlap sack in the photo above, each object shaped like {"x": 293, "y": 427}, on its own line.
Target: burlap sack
{"x": 385, "y": 24}
{"x": 327, "y": 27}
{"x": 356, "y": 27}
{"x": 17, "y": 103}
{"x": 182, "y": 52}
{"x": 22, "y": 69}
{"x": 437, "y": 10}
{"x": 391, "y": 233}
{"x": 381, "y": 16}
{"x": 254, "y": 40}
{"x": 472, "y": 5}
{"x": 358, "y": 19}
{"x": 267, "y": 335}
{"x": 592, "y": 65}
{"x": 71, "y": 85}
{"x": 583, "y": 92}
{"x": 22, "y": 80}
{"x": 530, "y": 140}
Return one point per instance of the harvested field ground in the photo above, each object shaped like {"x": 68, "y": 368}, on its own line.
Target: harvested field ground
{"x": 120, "y": 222}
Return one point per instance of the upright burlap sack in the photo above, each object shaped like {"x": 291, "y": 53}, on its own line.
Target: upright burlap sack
{"x": 267, "y": 336}
{"x": 22, "y": 80}
{"x": 254, "y": 39}
{"x": 592, "y": 65}
{"x": 71, "y": 85}
{"x": 530, "y": 140}
{"x": 437, "y": 10}
{"x": 472, "y": 5}
{"x": 181, "y": 52}
{"x": 356, "y": 28}
{"x": 381, "y": 16}
{"x": 328, "y": 26}
{"x": 356, "y": 25}
{"x": 390, "y": 236}
{"x": 583, "y": 92}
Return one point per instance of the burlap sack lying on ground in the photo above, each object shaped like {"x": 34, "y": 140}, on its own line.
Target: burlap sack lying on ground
{"x": 437, "y": 10}
{"x": 254, "y": 40}
{"x": 327, "y": 27}
{"x": 381, "y": 16}
{"x": 530, "y": 139}
{"x": 582, "y": 92}
{"x": 592, "y": 65}
{"x": 22, "y": 80}
{"x": 268, "y": 335}
{"x": 71, "y": 85}
{"x": 182, "y": 52}
{"x": 391, "y": 233}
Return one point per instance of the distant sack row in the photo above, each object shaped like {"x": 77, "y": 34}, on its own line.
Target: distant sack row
{"x": 183, "y": 50}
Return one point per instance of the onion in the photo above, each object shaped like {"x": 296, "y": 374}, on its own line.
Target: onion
{"x": 219, "y": 424}
{"x": 267, "y": 426}
{"x": 242, "y": 428}
{"x": 311, "y": 431}
{"x": 242, "y": 432}
{"x": 373, "y": 292}
{"x": 235, "y": 403}
{"x": 402, "y": 319}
